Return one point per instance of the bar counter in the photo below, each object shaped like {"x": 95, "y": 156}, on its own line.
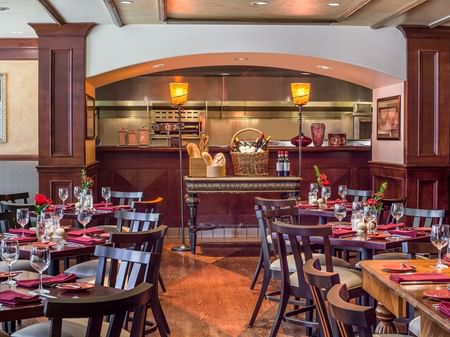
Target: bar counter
{"x": 154, "y": 170}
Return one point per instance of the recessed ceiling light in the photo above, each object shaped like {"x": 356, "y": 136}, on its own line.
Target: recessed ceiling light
{"x": 304, "y": 73}
{"x": 159, "y": 65}
{"x": 334, "y": 4}
{"x": 259, "y": 3}
{"x": 3, "y": 9}
{"x": 241, "y": 59}
{"x": 16, "y": 32}
{"x": 324, "y": 67}
{"x": 224, "y": 74}
{"x": 126, "y": 2}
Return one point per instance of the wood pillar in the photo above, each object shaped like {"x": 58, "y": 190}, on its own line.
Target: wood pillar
{"x": 424, "y": 177}
{"x": 62, "y": 106}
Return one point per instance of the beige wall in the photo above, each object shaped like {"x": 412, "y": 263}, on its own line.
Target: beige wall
{"x": 22, "y": 107}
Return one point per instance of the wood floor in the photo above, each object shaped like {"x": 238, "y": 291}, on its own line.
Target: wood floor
{"x": 208, "y": 293}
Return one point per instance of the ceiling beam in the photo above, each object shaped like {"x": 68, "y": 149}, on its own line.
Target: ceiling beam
{"x": 398, "y": 13}
{"x": 353, "y": 10}
{"x": 439, "y": 22}
{"x": 162, "y": 10}
{"x": 52, "y": 12}
{"x": 113, "y": 12}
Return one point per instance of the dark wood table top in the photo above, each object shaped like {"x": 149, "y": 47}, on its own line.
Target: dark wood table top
{"x": 394, "y": 296}
{"x": 364, "y": 241}
{"x": 68, "y": 249}
{"x": 37, "y": 309}
{"x": 96, "y": 215}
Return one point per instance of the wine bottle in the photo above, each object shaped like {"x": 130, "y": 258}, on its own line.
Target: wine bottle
{"x": 286, "y": 165}
{"x": 279, "y": 165}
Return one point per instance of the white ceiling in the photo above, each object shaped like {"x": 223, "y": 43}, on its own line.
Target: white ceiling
{"x": 375, "y": 13}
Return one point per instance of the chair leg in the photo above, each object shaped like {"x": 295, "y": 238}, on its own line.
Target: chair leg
{"x": 262, "y": 293}
{"x": 160, "y": 319}
{"x": 309, "y": 317}
{"x": 284, "y": 298}
{"x": 258, "y": 269}
{"x": 161, "y": 283}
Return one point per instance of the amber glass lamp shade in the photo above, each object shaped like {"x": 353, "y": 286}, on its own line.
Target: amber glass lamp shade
{"x": 300, "y": 93}
{"x": 178, "y": 93}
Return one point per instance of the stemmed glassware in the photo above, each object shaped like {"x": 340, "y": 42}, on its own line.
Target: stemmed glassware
{"x": 397, "y": 211}
{"x": 439, "y": 238}
{"x": 314, "y": 188}
{"x": 10, "y": 253}
{"x": 77, "y": 192}
{"x": 40, "y": 261}
{"x": 63, "y": 194}
{"x": 326, "y": 193}
{"x": 370, "y": 217}
{"x": 106, "y": 193}
{"x": 41, "y": 229}
{"x": 22, "y": 217}
{"x": 58, "y": 214}
{"x": 84, "y": 217}
{"x": 340, "y": 212}
{"x": 342, "y": 191}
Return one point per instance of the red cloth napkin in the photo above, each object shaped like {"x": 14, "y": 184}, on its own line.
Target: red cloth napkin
{"x": 306, "y": 206}
{"x": 411, "y": 234}
{"x": 25, "y": 239}
{"x": 390, "y": 226}
{"x": 91, "y": 230}
{"x": 19, "y": 231}
{"x": 12, "y": 298}
{"x": 436, "y": 277}
{"x": 103, "y": 204}
{"x": 444, "y": 307}
{"x": 33, "y": 283}
{"x": 332, "y": 202}
{"x": 86, "y": 241}
{"x": 342, "y": 231}
{"x": 446, "y": 259}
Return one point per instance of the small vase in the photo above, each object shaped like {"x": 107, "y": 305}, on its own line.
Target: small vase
{"x": 317, "y": 133}
{"x": 41, "y": 229}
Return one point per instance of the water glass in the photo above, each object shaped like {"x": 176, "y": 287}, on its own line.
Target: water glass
{"x": 340, "y": 212}
{"x": 84, "y": 217}
{"x": 40, "y": 261}
{"x": 342, "y": 191}
{"x": 58, "y": 214}
{"x": 10, "y": 253}
{"x": 77, "y": 192}
{"x": 106, "y": 193}
{"x": 314, "y": 188}
{"x": 41, "y": 229}
{"x": 312, "y": 198}
{"x": 370, "y": 217}
{"x": 326, "y": 192}
{"x": 63, "y": 194}
{"x": 22, "y": 217}
{"x": 357, "y": 207}
{"x": 397, "y": 211}
{"x": 439, "y": 238}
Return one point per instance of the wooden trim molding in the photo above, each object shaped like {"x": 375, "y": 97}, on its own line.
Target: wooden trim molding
{"x": 19, "y": 157}
{"x": 52, "y": 12}
{"x": 19, "y": 49}
{"x": 425, "y": 32}
{"x": 66, "y": 30}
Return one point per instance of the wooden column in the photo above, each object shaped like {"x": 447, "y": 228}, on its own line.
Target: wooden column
{"x": 62, "y": 106}
{"x": 424, "y": 177}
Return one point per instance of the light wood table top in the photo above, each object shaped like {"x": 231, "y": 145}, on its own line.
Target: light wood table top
{"x": 395, "y": 297}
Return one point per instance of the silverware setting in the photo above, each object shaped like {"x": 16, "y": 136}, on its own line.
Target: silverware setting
{"x": 41, "y": 295}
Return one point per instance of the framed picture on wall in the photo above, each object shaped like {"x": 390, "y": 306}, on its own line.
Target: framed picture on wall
{"x": 388, "y": 118}
{"x": 90, "y": 117}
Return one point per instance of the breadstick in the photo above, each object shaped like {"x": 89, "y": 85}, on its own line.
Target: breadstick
{"x": 207, "y": 158}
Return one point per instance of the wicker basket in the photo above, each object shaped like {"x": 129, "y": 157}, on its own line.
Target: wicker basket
{"x": 249, "y": 164}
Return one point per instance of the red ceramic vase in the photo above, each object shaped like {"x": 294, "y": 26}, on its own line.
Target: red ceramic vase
{"x": 305, "y": 141}
{"x": 317, "y": 133}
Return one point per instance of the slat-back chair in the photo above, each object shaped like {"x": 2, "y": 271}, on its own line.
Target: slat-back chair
{"x": 422, "y": 248}
{"x": 425, "y": 217}
{"x": 349, "y": 315}
{"x": 126, "y": 198}
{"x": 359, "y": 195}
{"x": 148, "y": 206}
{"x": 12, "y": 208}
{"x": 13, "y": 197}
{"x": 6, "y": 221}
{"x": 385, "y": 216}
{"x": 136, "y": 221}
{"x": 95, "y": 308}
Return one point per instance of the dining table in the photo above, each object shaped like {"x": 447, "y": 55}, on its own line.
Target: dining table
{"x": 395, "y": 299}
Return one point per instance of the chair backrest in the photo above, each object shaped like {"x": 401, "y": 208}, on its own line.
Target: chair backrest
{"x": 148, "y": 206}
{"x": 423, "y": 248}
{"x": 115, "y": 306}
{"x": 136, "y": 221}
{"x": 126, "y": 198}
{"x": 13, "y": 197}
{"x": 424, "y": 217}
{"x": 385, "y": 213}
{"x": 6, "y": 221}
{"x": 359, "y": 195}
{"x": 12, "y": 208}
{"x": 348, "y": 315}
{"x": 320, "y": 282}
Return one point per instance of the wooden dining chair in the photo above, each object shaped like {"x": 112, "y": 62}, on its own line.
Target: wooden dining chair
{"x": 13, "y": 197}
{"x": 134, "y": 221}
{"x": 352, "y": 319}
{"x": 12, "y": 208}
{"x": 6, "y": 221}
{"x": 148, "y": 206}
{"x": 359, "y": 195}
{"x": 125, "y": 198}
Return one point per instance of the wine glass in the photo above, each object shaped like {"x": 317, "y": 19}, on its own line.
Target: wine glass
{"x": 370, "y": 217}
{"x": 58, "y": 214}
{"x": 63, "y": 193}
{"x": 10, "y": 253}
{"x": 314, "y": 187}
{"x": 340, "y": 212}
{"x": 326, "y": 193}
{"x": 22, "y": 217}
{"x": 342, "y": 191}
{"x": 397, "y": 211}
{"x": 357, "y": 207}
{"x": 439, "y": 238}
{"x": 77, "y": 192}
{"x": 106, "y": 194}
{"x": 84, "y": 217}
{"x": 40, "y": 261}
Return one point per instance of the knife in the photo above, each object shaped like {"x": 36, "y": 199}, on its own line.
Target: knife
{"x": 41, "y": 295}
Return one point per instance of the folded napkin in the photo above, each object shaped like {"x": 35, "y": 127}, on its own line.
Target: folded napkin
{"x": 103, "y": 204}
{"x": 332, "y": 202}
{"x": 19, "y": 231}
{"x": 33, "y": 283}
{"x": 411, "y": 233}
{"x": 25, "y": 239}
{"x": 444, "y": 307}
{"x": 12, "y": 298}
{"x": 390, "y": 226}
{"x": 342, "y": 231}
{"x": 90, "y": 230}
{"x": 434, "y": 277}
{"x": 306, "y": 206}
{"x": 446, "y": 259}
{"x": 86, "y": 241}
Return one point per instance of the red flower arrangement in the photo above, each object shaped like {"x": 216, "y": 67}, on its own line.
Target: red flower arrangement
{"x": 376, "y": 200}
{"x": 322, "y": 179}
{"x": 41, "y": 202}
{"x": 86, "y": 181}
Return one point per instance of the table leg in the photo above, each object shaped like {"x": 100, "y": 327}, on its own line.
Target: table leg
{"x": 385, "y": 319}
{"x": 323, "y": 220}
{"x": 366, "y": 254}
{"x": 192, "y": 203}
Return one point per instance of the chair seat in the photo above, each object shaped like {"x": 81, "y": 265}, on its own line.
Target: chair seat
{"x": 71, "y": 328}
{"x": 352, "y": 278}
{"x": 85, "y": 269}
{"x": 22, "y": 265}
{"x": 414, "y": 326}
{"x": 337, "y": 262}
